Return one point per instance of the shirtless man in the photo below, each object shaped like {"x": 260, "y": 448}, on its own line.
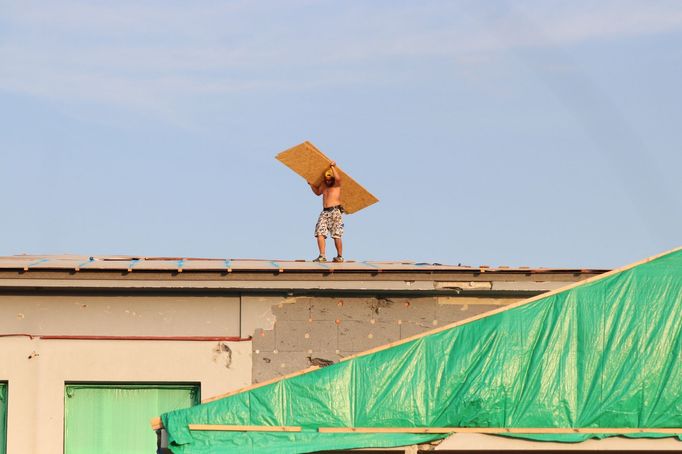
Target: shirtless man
{"x": 330, "y": 220}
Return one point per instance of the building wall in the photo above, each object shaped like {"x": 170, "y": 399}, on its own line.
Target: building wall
{"x": 130, "y": 315}
{"x": 286, "y": 331}
{"x": 37, "y": 369}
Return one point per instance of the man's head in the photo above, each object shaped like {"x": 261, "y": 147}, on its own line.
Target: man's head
{"x": 329, "y": 178}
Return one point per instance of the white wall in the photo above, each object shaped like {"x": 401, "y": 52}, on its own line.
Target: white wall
{"x": 36, "y": 371}
{"x": 147, "y": 315}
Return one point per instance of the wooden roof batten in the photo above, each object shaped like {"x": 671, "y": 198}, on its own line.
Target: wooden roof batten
{"x": 438, "y": 430}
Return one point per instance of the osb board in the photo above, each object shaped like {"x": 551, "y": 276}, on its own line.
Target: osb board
{"x": 309, "y": 162}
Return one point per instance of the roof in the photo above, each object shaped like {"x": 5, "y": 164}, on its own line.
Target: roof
{"x": 180, "y": 264}
{"x": 212, "y": 275}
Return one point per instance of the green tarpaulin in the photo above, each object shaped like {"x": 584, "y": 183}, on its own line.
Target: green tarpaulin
{"x": 605, "y": 353}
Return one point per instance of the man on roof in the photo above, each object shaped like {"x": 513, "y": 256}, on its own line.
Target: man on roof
{"x": 330, "y": 221}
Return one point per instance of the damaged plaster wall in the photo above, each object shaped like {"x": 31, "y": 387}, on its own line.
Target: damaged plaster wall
{"x": 317, "y": 330}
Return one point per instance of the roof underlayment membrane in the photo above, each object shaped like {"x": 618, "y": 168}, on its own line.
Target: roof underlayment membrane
{"x": 603, "y": 353}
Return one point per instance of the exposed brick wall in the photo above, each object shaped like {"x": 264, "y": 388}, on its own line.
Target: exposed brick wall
{"x": 331, "y": 328}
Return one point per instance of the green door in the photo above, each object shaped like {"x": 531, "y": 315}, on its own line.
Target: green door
{"x": 114, "y": 418}
{"x": 3, "y": 418}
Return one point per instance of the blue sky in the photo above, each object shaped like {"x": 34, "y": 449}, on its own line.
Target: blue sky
{"x": 539, "y": 133}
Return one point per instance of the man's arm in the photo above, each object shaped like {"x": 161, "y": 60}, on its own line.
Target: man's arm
{"x": 316, "y": 189}
{"x": 337, "y": 175}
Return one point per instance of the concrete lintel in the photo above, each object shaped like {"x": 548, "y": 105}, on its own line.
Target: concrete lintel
{"x": 218, "y": 284}
{"x": 543, "y": 286}
{"x": 464, "y": 285}
{"x": 407, "y": 287}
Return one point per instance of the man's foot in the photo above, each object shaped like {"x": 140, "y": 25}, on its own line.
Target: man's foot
{"x": 338, "y": 258}
{"x": 320, "y": 258}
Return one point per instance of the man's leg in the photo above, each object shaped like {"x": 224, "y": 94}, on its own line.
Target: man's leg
{"x": 321, "y": 232}
{"x": 339, "y": 246}
{"x": 337, "y": 233}
{"x": 321, "y": 244}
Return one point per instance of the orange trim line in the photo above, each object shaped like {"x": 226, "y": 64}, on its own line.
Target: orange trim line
{"x": 135, "y": 338}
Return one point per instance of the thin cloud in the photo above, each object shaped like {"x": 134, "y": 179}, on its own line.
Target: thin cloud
{"x": 154, "y": 54}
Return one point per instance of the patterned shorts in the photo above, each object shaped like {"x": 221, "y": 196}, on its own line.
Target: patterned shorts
{"x": 330, "y": 222}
